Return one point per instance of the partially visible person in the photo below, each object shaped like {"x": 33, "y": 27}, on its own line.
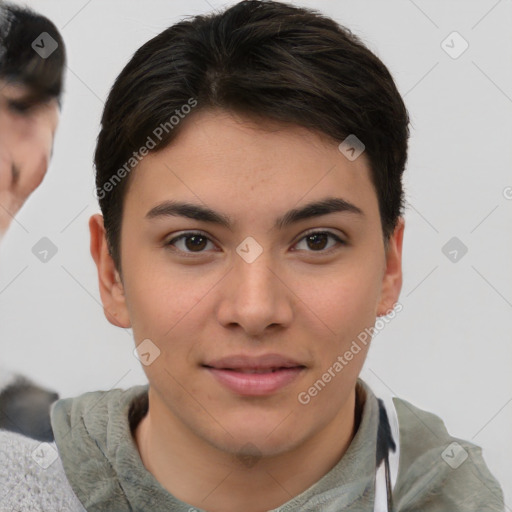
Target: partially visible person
{"x": 25, "y": 406}
{"x": 32, "y": 62}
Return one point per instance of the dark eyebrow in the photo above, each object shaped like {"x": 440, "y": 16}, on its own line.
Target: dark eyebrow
{"x": 205, "y": 214}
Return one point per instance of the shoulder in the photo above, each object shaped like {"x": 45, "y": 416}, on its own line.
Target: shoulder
{"x": 25, "y": 406}
{"x": 32, "y": 476}
{"x": 439, "y": 472}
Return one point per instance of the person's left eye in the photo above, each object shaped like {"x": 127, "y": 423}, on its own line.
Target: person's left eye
{"x": 199, "y": 241}
{"x": 315, "y": 236}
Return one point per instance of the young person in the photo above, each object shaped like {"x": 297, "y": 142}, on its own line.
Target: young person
{"x": 249, "y": 176}
{"x": 32, "y": 62}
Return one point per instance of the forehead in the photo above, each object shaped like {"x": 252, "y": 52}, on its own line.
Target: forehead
{"x": 225, "y": 160}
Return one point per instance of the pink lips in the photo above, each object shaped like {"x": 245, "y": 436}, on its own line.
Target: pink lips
{"x": 255, "y": 376}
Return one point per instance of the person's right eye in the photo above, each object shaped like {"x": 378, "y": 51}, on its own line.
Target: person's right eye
{"x": 192, "y": 236}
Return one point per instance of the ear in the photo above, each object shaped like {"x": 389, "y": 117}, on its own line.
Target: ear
{"x": 392, "y": 278}
{"x": 111, "y": 286}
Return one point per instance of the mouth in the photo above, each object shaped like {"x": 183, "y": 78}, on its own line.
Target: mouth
{"x": 265, "y": 362}
{"x": 255, "y": 376}
{"x": 255, "y": 370}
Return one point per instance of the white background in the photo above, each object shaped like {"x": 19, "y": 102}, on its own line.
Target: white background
{"x": 450, "y": 349}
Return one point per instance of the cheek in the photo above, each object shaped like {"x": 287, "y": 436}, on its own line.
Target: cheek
{"x": 343, "y": 303}
{"x": 30, "y": 145}
{"x": 150, "y": 304}
{"x": 5, "y": 170}
{"x": 40, "y": 140}
{"x": 347, "y": 309}
{"x": 158, "y": 313}
{"x": 163, "y": 307}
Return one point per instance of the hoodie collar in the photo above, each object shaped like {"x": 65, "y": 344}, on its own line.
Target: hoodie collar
{"x": 104, "y": 468}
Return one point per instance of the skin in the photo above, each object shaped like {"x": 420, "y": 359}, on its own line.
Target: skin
{"x": 27, "y": 132}
{"x": 307, "y": 301}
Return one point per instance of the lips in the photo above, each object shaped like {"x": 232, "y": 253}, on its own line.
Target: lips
{"x": 254, "y": 376}
{"x": 253, "y": 370}
{"x": 248, "y": 364}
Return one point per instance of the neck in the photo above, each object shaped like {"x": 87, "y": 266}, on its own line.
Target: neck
{"x": 201, "y": 475}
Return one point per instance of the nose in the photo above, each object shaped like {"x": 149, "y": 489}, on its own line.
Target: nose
{"x": 255, "y": 296}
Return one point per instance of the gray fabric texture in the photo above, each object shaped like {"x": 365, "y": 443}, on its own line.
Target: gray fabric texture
{"x": 99, "y": 463}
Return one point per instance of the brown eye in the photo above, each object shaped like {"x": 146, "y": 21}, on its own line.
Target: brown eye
{"x": 190, "y": 242}
{"x": 195, "y": 242}
{"x": 318, "y": 240}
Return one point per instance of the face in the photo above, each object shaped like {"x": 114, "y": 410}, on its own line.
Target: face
{"x": 27, "y": 131}
{"x": 243, "y": 317}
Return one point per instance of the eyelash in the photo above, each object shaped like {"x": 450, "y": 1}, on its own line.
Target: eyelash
{"x": 189, "y": 234}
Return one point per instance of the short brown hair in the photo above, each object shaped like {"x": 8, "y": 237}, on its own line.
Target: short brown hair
{"x": 19, "y": 62}
{"x": 260, "y": 58}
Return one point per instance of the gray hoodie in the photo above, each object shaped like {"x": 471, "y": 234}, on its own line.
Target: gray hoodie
{"x": 94, "y": 465}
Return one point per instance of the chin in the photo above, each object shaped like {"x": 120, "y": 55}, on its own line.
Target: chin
{"x": 256, "y": 438}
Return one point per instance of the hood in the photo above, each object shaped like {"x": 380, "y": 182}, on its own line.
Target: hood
{"x": 99, "y": 454}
